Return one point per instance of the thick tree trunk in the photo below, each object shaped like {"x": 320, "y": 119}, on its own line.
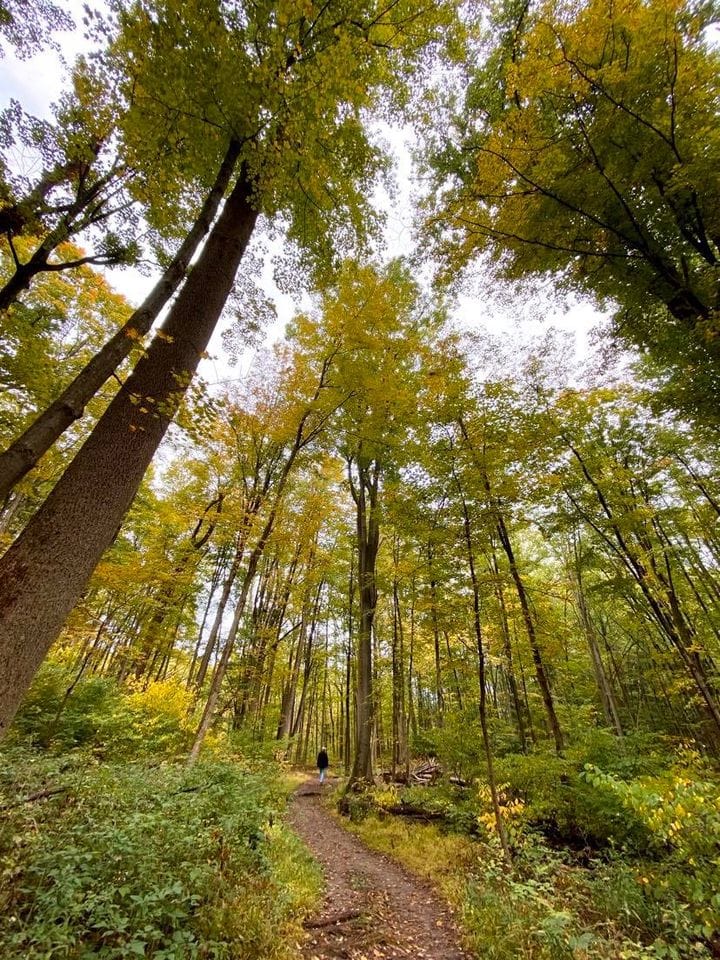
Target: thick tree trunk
{"x": 44, "y": 573}
{"x": 22, "y": 455}
{"x": 368, "y": 536}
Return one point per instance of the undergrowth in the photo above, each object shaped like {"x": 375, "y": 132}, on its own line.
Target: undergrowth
{"x": 132, "y": 854}
{"x": 614, "y": 864}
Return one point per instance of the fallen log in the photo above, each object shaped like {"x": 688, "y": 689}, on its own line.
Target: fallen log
{"x": 459, "y": 824}
{"x": 417, "y": 813}
{"x": 458, "y": 782}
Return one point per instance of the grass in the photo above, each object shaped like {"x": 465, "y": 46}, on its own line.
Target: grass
{"x": 546, "y": 908}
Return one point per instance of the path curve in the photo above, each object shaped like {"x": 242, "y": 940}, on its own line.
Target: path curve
{"x": 373, "y": 908}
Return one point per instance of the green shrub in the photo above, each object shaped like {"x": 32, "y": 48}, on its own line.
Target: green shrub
{"x": 150, "y": 720}
{"x": 457, "y": 745}
{"x": 133, "y": 860}
{"x": 118, "y": 720}
{"x": 565, "y": 806}
{"x": 681, "y": 811}
{"x": 615, "y": 892}
{"x": 47, "y": 715}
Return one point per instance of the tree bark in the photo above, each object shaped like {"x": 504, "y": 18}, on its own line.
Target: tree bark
{"x": 365, "y": 495}
{"x": 482, "y": 685}
{"x": 44, "y": 573}
{"x": 22, "y": 455}
{"x": 540, "y": 672}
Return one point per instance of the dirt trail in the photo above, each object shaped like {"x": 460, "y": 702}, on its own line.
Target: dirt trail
{"x": 373, "y": 908}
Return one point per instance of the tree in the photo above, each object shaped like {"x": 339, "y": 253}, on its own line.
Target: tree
{"x": 305, "y": 419}
{"x": 46, "y": 339}
{"x": 301, "y": 112}
{"x": 587, "y": 147}
{"x": 61, "y": 324}
{"x": 618, "y": 489}
{"x": 28, "y": 24}
{"x": 25, "y": 451}
{"x": 377, "y": 322}
{"x": 80, "y": 192}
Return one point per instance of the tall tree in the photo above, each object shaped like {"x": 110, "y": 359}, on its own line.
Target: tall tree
{"x": 299, "y": 118}
{"x": 377, "y": 322}
{"x": 25, "y": 451}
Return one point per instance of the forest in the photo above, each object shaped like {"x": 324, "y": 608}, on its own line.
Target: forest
{"x": 407, "y": 451}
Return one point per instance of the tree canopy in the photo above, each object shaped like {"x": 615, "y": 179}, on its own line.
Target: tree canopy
{"x": 479, "y": 570}
{"x": 586, "y": 146}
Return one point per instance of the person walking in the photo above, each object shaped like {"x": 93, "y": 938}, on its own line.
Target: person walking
{"x": 322, "y": 763}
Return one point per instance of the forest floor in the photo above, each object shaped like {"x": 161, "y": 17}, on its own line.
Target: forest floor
{"x": 373, "y": 907}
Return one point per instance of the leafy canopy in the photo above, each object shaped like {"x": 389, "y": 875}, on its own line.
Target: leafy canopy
{"x": 587, "y": 146}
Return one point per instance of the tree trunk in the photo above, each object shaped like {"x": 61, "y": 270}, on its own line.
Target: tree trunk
{"x": 659, "y": 592}
{"x": 222, "y": 666}
{"x": 22, "y": 455}
{"x": 365, "y": 495}
{"x": 289, "y": 691}
{"x": 218, "y": 573}
{"x": 348, "y": 667}
{"x": 412, "y": 715}
{"x": 482, "y": 699}
{"x": 297, "y": 720}
{"x": 605, "y": 690}
{"x": 399, "y": 747}
{"x": 212, "y": 640}
{"x": 507, "y": 654}
{"x": 540, "y": 672}
{"x": 436, "y": 641}
{"x": 44, "y": 573}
